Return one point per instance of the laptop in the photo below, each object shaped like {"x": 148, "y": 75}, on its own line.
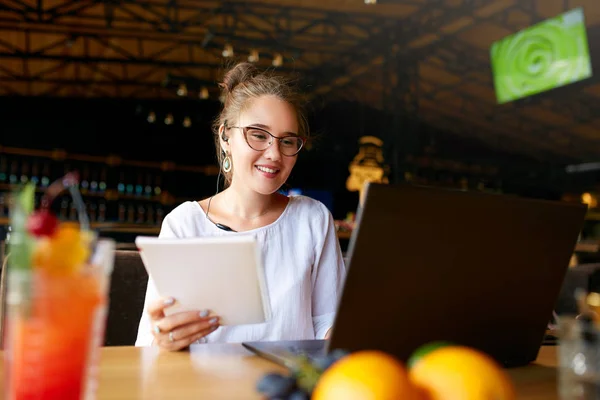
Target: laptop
{"x": 426, "y": 264}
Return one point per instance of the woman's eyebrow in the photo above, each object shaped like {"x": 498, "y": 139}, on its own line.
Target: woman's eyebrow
{"x": 268, "y": 128}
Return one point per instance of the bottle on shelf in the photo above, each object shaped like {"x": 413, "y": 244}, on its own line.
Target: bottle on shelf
{"x": 139, "y": 185}
{"x": 64, "y": 208}
{"x": 140, "y": 217}
{"x": 160, "y": 214}
{"x": 102, "y": 211}
{"x": 92, "y": 211}
{"x": 35, "y": 173}
{"x": 121, "y": 215}
{"x": 150, "y": 214}
{"x": 148, "y": 187}
{"x": 45, "y": 174}
{"x": 3, "y": 169}
{"x": 24, "y": 172}
{"x": 131, "y": 214}
{"x": 121, "y": 184}
{"x": 157, "y": 185}
{"x": 102, "y": 183}
{"x": 94, "y": 181}
{"x": 3, "y": 207}
{"x": 85, "y": 180}
{"x": 14, "y": 170}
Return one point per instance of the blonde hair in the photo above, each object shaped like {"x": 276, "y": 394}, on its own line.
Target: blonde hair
{"x": 244, "y": 83}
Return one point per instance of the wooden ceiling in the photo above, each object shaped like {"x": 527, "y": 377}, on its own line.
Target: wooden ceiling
{"x": 420, "y": 57}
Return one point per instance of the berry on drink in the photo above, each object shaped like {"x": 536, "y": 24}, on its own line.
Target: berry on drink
{"x": 42, "y": 223}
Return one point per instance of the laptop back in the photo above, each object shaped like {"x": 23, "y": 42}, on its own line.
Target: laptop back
{"x": 477, "y": 269}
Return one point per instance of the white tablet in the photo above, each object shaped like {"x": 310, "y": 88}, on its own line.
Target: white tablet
{"x": 222, "y": 274}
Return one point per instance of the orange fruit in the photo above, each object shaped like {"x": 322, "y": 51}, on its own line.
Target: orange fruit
{"x": 365, "y": 375}
{"x": 461, "y": 373}
{"x": 423, "y": 350}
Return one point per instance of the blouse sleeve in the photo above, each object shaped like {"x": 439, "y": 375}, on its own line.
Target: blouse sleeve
{"x": 327, "y": 279}
{"x": 144, "y": 336}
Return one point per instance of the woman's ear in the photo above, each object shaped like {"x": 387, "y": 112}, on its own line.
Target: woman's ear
{"x": 223, "y": 138}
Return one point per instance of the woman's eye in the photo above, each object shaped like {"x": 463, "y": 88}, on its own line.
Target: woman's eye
{"x": 257, "y": 135}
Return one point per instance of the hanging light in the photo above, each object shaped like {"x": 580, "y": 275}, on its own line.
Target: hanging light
{"x": 253, "y": 56}
{"x": 182, "y": 90}
{"x": 151, "y": 117}
{"x": 589, "y": 199}
{"x": 203, "y": 93}
{"x": 169, "y": 119}
{"x": 187, "y": 122}
{"x": 277, "y": 60}
{"x": 228, "y": 51}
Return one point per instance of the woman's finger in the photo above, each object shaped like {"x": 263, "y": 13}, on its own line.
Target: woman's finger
{"x": 156, "y": 308}
{"x": 192, "y": 329}
{"x": 179, "y": 319}
{"x": 178, "y": 344}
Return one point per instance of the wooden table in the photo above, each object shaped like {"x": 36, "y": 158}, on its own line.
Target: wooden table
{"x": 228, "y": 371}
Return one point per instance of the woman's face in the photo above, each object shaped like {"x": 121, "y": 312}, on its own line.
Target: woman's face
{"x": 262, "y": 171}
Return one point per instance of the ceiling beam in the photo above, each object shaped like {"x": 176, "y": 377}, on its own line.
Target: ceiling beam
{"x": 274, "y": 28}
{"x": 435, "y": 16}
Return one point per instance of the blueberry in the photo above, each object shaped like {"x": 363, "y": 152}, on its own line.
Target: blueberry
{"x": 275, "y": 385}
{"x": 323, "y": 363}
{"x": 338, "y": 354}
{"x": 299, "y": 395}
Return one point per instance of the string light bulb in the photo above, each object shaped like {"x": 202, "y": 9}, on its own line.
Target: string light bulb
{"x": 182, "y": 90}
{"x": 277, "y": 60}
{"x": 253, "y": 56}
{"x": 203, "y": 93}
{"x": 228, "y": 51}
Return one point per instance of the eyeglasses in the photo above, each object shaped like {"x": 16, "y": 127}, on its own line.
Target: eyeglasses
{"x": 259, "y": 139}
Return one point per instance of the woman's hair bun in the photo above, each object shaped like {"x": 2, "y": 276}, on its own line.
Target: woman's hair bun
{"x": 239, "y": 74}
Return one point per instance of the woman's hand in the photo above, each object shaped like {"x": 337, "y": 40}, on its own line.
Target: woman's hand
{"x": 179, "y": 330}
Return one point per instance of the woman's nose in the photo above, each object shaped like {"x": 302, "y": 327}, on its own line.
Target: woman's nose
{"x": 273, "y": 152}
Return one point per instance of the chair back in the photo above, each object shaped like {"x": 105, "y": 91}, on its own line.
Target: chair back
{"x": 127, "y": 294}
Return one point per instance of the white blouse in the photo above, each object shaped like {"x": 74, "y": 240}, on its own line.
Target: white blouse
{"x": 303, "y": 265}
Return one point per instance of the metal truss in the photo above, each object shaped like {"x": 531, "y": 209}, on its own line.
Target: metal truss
{"x": 386, "y": 53}
{"x": 359, "y": 61}
{"x": 127, "y": 44}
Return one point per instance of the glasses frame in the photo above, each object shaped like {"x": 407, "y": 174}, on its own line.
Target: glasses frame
{"x": 245, "y": 132}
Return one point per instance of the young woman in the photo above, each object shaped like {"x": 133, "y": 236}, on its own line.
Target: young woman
{"x": 258, "y": 136}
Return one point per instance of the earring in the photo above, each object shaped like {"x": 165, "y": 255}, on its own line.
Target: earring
{"x": 227, "y": 164}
